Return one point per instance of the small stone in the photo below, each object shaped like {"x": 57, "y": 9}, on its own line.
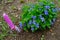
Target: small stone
{"x": 16, "y": 16}
{"x": 52, "y": 34}
{"x": 0, "y": 22}
{"x": 51, "y": 30}
{"x": 58, "y": 20}
{"x": 43, "y": 36}
{"x": 12, "y": 13}
{"x": 15, "y": 37}
{"x": 19, "y": 8}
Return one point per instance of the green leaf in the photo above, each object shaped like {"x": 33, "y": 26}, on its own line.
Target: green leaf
{"x": 36, "y": 28}
{"x": 25, "y": 28}
{"x": 50, "y": 16}
{"x": 10, "y": 0}
{"x": 28, "y": 26}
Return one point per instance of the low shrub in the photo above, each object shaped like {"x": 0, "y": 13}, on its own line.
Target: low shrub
{"x": 38, "y": 16}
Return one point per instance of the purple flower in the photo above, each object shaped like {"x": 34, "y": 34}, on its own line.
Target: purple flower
{"x": 30, "y": 22}
{"x": 54, "y": 10}
{"x": 42, "y": 18}
{"x": 37, "y": 25}
{"x": 47, "y": 7}
{"x": 24, "y": 24}
{"x": 46, "y": 12}
{"x": 32, "y": 28}
{"x": 20, "y": 24}
{"x": 34, "y": 22}
{"x": 8, "y": 21}
{"x": 33, "y": 17}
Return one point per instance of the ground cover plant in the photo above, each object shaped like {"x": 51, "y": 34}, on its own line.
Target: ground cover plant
{"x": 38, "y": 16}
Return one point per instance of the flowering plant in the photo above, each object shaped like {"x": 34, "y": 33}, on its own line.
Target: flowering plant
{"x": 38, "y": 16}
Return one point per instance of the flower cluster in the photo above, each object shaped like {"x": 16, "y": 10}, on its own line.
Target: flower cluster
{"x": 40, "y": 15}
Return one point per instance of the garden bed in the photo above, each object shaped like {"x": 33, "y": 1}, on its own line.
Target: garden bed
{"x": 13, "y": 9}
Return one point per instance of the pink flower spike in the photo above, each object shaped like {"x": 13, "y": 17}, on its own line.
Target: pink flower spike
{"x": 8, "y": 21}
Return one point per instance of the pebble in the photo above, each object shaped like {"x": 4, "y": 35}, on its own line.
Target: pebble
{"x": 52, "y": 34}
{"x": 43, "y": 36}
{"x": 16, "y": 15}
{"x": 19, "y": 8}
{"x": 0, "y": 22}
{"x": 51, "y": 30}
{"x": 58, "y": 20}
